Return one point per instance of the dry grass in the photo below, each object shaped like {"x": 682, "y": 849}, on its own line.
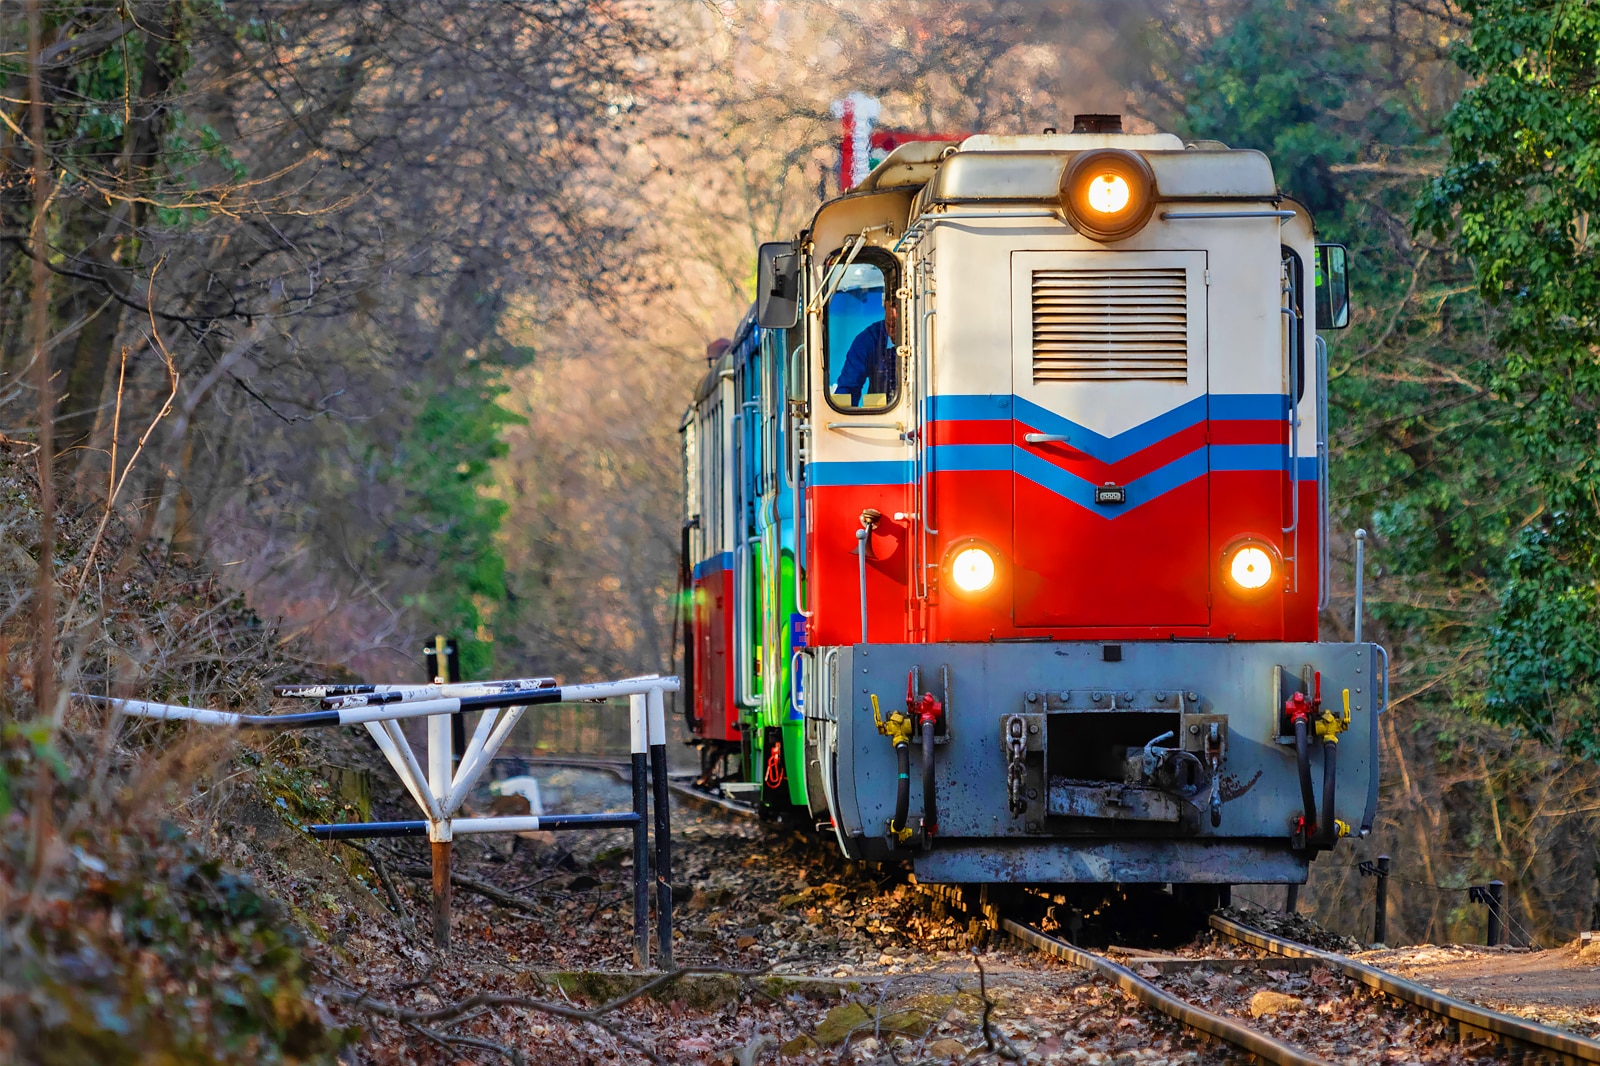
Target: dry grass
{"x": 125, "y": 935}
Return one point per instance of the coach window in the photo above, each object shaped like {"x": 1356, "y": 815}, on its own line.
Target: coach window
{"x": 860, "y": 335}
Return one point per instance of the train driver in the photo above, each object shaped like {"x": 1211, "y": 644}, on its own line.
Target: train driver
{"x": 870, "y": 364}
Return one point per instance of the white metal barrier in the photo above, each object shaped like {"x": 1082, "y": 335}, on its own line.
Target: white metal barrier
{"x": 441, "y": 788}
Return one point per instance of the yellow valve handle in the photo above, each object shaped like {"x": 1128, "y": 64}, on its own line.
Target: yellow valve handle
{"x": 1342, "y": 827}
{"x": 1347, "y": 708}
{"x": 898, "y": 728}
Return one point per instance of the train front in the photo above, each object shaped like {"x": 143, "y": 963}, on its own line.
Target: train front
{"x": 1062, "y": 429}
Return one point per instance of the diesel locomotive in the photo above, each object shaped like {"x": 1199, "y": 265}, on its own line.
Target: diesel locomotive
{"x": 1006, "y": 530}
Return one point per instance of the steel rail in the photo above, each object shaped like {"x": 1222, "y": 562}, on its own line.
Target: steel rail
{"x": 1264, "y": 1047}
{"x": 1259, "y": 1044}
{"x": 1569, "y": 1046}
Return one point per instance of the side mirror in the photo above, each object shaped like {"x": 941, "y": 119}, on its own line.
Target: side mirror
{"x": 777, "y": 285}
{"x": 1333, "y": 287}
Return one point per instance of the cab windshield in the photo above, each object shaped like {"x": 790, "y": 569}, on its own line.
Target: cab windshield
{"x": 862, "y": 362}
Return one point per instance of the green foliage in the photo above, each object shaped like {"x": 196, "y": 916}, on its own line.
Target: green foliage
{"x": 1276, "y": 82}
{"x": 444, "y": 469}
{"x": 1546, "y": 639}
{"x": 1419, "y": 451}
{"x": 1518, "y": 199}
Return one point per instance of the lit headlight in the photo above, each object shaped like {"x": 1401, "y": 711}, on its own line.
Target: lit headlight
{"x": 1248, "y": 567}
{"x": 1108, "y": 194}
{"x": 972, "y": 569}
{"x": 1251, "y": 568}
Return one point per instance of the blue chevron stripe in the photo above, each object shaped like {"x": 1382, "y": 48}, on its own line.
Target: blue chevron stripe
{"x": 1118, "y": 446}
{"x": 1005, "y": 458}
{"x": 1140, "y": 490}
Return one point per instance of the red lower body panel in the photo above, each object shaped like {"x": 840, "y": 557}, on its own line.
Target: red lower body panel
{"x": 716, "y": 710}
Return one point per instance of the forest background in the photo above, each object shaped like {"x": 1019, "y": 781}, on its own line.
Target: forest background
{"x": 387, "y": 312}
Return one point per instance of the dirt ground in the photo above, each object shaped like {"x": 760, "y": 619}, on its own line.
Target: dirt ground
{"x": 841, "y": 963}
{"x": 1559, "y": 987}
{"x": 850, "y": 964}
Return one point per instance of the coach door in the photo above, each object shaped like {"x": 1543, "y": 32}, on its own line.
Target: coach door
{"x": 1109, "y": 439}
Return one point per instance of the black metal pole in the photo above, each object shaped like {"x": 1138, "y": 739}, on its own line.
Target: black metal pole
{"x": 1291, "y": 899}
{"x": 419, "y": 828}
{"x": 443, "y": 667}
{"x": 1380, "y": 913}
{"x": 1497, "y": 899}
{"x": 641, "y": 829}
{"x": 451, "y": 675}
{"x": 663, "y": 805}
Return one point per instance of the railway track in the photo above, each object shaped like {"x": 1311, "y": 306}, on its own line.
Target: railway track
{"x": 1524, "y": 1041}
{"x": 1160, "y": 981}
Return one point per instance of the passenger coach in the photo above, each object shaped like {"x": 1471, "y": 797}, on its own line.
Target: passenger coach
{"x": 1007, "y": 522}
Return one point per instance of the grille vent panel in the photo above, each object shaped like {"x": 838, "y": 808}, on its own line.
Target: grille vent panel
{"x": 1102, "y": 324}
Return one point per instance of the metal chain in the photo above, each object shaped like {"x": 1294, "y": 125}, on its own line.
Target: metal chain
{"x": 1016, "y": 768}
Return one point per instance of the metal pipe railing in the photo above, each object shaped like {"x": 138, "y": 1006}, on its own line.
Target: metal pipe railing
{"x": 441, "y": 788}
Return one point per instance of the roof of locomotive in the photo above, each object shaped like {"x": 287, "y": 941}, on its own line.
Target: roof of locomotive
{"x": 1003, "y": 169}
{"x": 1029, "y": 168}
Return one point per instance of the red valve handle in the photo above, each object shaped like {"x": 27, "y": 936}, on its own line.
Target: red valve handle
{"x": 1297, "y": 708}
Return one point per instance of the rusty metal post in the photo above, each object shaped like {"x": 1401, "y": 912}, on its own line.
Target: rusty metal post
{"x": 663, "y": 804}
{"x": 441, "y": 893}
{"x": 1380, "y": 912}
{"x": 1497, "y": 902}
{"x": 440, "y": 771}
{"x": 1291, "y": 899}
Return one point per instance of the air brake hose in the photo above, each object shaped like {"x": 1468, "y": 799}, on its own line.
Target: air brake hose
{"x": 1302, "y": 754}
{"x": 930, "y": 809}
{"x": 902, "y": 795}
{"x": 1329, "y": 834}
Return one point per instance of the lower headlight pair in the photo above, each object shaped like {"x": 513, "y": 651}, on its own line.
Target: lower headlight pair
{"x": 1248, "y": 567}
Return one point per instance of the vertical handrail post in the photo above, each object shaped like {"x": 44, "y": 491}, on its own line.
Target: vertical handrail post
{"x": 1361, "y": 574}
{"x": 663, "y": 803}
{"x": 1380, "y": 913}
{"x": 639, "y": 737}
{"x": 862, "y": 535}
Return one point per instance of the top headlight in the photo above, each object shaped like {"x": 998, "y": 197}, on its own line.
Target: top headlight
{"x": 1109, "y": 194}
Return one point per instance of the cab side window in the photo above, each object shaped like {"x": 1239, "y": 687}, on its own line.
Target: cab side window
{"x": 860, "y": 333}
